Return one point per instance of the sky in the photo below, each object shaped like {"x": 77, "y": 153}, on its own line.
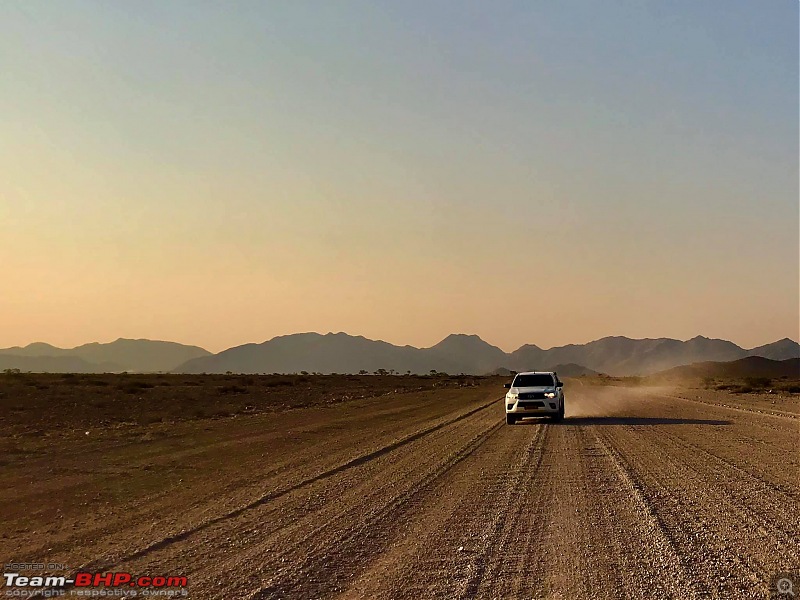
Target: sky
{"x": 217, "y": 173}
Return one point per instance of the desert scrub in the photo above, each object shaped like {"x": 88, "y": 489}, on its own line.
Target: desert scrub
{"x": 232, "y": 389}
{"x": 133, "y": 387}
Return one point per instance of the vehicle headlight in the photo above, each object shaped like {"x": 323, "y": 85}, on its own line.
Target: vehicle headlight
{"x": 550, "y": 395}
{"x": 512, "y": 397}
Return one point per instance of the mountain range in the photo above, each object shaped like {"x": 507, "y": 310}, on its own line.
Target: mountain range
{"x": 120, "y": 355}
{"x": 343, "y": 353}
{"x": 459, "y": 353}
{"x": 751, "y": 366}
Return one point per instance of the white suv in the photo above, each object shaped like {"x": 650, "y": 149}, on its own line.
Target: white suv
{"x": 533, "y": 394}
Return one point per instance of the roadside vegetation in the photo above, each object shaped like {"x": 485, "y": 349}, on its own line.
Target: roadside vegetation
{"x": 758, "y": 385}
{"x": 41, "y": 402}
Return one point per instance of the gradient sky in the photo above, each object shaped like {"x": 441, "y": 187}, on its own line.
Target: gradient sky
{"x": 533, "y": 172}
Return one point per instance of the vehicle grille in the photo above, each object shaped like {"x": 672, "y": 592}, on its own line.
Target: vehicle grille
{"x": 532, "y": 396}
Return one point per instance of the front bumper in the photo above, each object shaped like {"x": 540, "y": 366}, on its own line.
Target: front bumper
{"x": 531, "y": 408}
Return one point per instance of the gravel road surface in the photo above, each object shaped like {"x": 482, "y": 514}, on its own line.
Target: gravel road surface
{"x": 638, "y": 493}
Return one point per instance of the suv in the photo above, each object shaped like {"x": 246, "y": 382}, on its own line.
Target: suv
{"x": 533, "y": 394}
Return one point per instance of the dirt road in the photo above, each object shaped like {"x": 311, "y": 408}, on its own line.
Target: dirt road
{"x": 639, "y": 493}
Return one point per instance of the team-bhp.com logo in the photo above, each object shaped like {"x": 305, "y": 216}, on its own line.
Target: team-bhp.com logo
{"x": 91, "y": 583}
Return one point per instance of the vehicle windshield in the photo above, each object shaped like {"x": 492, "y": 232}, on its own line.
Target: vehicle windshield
{"x": 535, "y": 380}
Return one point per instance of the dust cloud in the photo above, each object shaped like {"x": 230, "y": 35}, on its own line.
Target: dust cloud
{"x": 583, "y": 400}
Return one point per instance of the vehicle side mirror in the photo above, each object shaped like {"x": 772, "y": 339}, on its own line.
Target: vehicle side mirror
{"x": 507, "y": 386}
{"x": 560, "y": 384}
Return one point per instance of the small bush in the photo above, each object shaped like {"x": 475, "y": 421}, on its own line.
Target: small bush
{"x": 133, "y": 387}
{"x": 758, "y": 382}
{"x": 97, "y": 382}
{"x": 281, "y": 381}
{"x": 232, "y": 389}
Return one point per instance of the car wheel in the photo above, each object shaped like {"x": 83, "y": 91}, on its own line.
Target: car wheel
{"x": 560, "y": 414}
{"x": 510, "y": 419}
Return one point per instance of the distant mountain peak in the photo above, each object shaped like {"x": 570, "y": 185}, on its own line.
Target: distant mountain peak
{"x": 782, "y": 349}
{"x": 784, "y": 341}
{"x": 41, "y": 345}
{"x": 473, "y": 337}
{"x": 527, "y": 347}
{"x": 463, "y": 340}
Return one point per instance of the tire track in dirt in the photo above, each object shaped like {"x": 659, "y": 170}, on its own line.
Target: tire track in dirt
{"x": 166, "y": 483}
{"x": 220, "y": 520}
{"x": 278, "y": 538}
{"x": 761, "y": 488}
{"x": 447, "y": 545}
{"x": 355, "y": 462}
{"x": 541, "y": 511}
{"x": 585, "y": 532}
{"x": 733, "y": 528}
{"x": 729, "y": 548}
{"x": 745, "y": 439}
{"x": 661, "y": 547}
{"x": 506, "y": 515}
{"x": 774, "y": 413}
{"x": 350, "y": 548}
